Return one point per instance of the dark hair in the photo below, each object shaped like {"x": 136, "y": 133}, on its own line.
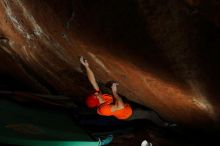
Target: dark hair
{"x": 109, "y": 83}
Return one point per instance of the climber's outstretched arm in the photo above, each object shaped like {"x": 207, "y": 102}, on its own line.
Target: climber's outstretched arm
{"x": 90, "y": 74}
{"x": 118, "y": 101}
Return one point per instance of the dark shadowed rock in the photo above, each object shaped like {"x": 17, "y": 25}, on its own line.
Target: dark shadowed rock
{"x": 163, "y": 53}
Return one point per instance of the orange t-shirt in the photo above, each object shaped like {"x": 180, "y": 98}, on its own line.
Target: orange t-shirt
{"x": 92, "y": 100}
{"x": 122, "y": 114}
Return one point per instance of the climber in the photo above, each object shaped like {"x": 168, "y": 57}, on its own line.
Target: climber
{"x": 108, "y": 105}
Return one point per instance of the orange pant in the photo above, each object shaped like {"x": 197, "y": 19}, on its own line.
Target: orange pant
{"x": 122, "y": 114}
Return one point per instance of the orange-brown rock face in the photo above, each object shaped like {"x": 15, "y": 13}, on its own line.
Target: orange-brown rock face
{"x": 163, "y": 53}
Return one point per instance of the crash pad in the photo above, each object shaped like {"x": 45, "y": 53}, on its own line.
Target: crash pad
{"x": 29, "y": 125}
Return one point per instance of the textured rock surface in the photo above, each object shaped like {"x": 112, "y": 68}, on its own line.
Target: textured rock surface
{"x": 163, "y": 53}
